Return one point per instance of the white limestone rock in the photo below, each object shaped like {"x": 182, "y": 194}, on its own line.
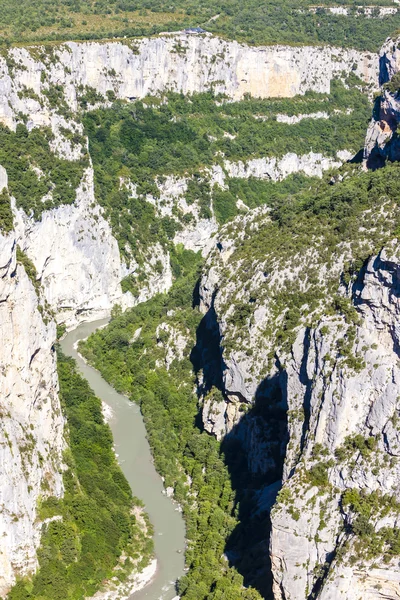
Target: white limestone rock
{"x": 189, "y": 64}
{"x": 76, "y": 257}
{"x": 159, "y": 276}
{"x": 380, "y": 142}
{"x": 31, "y": 424}
{"x": 311, "y": 164}
{"x": 325, "y": 401}
{"x": 173, "y": 342}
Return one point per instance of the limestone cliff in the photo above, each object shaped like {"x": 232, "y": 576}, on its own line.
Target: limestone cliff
{"x": 180, "y": 63}
{"x": 71, "y": 246}
{"x": 315, "y": 410}
{"x": 381, "y": 141}
{"x": 44, "y": 86}
{"x": 31, "y": 431}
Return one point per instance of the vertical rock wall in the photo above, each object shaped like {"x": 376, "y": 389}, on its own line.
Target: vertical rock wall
{"x": 31, "y": 423}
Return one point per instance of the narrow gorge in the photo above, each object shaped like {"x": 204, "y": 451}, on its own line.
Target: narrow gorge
{"x": 229, "y": 211}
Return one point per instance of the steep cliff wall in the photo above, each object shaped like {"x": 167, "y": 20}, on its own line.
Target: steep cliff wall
{"x": 307, "y": 364}
{"x": 181, "y": 63}
{"x": 344, "y": 404}
{"x": 198, "y": 63}
{"x": 381, "y": 141}
{"x": 76, "y": 257}
{"x": 31, "y": 430}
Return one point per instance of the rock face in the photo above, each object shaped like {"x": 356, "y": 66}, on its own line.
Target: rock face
{"x": 180, "y": 63}
{"x": 197, "y": 63}
{"x": 389, "y": 60}
{"x": 31, "y": 430}
{"x": 381, "y": 141}
{"x": 76, "y": 256}
{"x": 311, "y": 164}
{"x": 349, "y": 404}
{"x": 319, "y": 421}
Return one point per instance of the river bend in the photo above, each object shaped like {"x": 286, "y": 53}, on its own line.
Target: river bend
{"x": 136, "y": 462}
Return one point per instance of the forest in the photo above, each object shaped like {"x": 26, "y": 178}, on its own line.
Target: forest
{"x": 23, "y": 154}
{"x": 254, "y": 22}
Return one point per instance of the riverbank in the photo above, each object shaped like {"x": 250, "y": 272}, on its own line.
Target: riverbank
{"x": 157, "y": 580}
{"x": 133, "y": 584}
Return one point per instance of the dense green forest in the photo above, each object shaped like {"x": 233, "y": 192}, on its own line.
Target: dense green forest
{"x": 37, "y": 178}
{"x": 146, "y": 141}
{"x": 255, "y": 21}
{"x": 95, "y": 524}
{"x": 182, "y": 452}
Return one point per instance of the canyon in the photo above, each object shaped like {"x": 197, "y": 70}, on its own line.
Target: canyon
{"x": 324, "y": 409}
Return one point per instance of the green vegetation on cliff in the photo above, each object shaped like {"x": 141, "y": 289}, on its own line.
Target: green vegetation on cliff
{"x": 367, "y": 509}
{"x": 37, "y": 178}
{"x": 93, "y": 524}
{"x": 6, "y": 216}
{"x": 321, "y": 224}
{"x": 325, "y": 216}
{"x": 255, "y": 21}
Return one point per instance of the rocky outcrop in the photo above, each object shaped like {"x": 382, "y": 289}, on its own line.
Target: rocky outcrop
{"x": 381, "y": 141}
{"x": 276, "y": 169}
{"x": 389, "y": 60}
{"x": 318, "y": 414}
{"x": 369, "y": 12}
{"x": 31, "y": 425}
{"x": 76, "y": 256}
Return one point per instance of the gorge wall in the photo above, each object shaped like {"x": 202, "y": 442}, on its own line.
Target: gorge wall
{"x": 305, "y": 415}
{"x": 315, "y": 410}
{"x": 181, "y": 63}
{"x": 32, "y": 425}
{"x": 382, "y": 142}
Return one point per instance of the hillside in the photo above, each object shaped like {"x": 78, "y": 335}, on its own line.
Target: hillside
{"x": 292, "y": 342}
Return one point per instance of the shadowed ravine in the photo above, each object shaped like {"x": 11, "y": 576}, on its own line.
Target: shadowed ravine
{"x": 134, "y": 456}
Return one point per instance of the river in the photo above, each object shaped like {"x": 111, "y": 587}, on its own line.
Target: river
{"x": 136, "y": 462}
